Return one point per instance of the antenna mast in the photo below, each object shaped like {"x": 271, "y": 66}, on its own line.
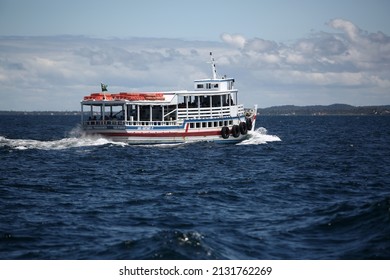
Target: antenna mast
{"x": 213, "y": 66}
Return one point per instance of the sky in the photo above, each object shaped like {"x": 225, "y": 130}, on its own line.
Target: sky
{"x": 281, "y": 52}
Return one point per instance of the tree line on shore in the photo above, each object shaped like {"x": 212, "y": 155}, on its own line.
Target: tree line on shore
{"x": 320, "y": 110}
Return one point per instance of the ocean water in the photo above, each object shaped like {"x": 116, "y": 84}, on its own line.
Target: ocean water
{"x": 300, "y": 188}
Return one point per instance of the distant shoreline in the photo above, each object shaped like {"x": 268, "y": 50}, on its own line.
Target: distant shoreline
{"x": 37, "y": 113}
{"x": 320, "y": 110}
{"x": 285, "y": 110}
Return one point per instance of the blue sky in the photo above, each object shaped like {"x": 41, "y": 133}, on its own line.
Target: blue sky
{"x": 280, "y": 52}
{"x": 279, "y": 20}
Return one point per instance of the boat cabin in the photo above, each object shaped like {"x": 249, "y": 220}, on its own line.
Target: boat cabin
{"x": 214, "y": 84}
{"x": 212, "y": 98}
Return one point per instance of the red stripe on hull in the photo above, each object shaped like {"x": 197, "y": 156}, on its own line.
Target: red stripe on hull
{"x": 160, "y": 134}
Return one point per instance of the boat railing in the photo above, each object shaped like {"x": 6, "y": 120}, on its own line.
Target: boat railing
{"x": 210, "y": 112}
{"x": 104, "y": 122}
{"x": 170, "y": 113}
{"x": 129, "y": 123}
{"x": 151, "y": 123}
{"x": 182, "y": 114}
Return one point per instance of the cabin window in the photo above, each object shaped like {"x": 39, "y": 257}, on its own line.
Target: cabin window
{"x": 192, "y": 125}
{"x": 145, "y": 113}
{"x": 199, "y": 86}
{"x": 131, "y": 112}
{"x": 203, "y": 101}
{"x": 215, "y": 85}
{"x": 216, "y": 101}
{"x": 230, "y": 122}
{"x": 198, "y": 125}
{"x": 204, "y": 124}
{"x": 208, "y": 85}
{"x": 215, "y": 124}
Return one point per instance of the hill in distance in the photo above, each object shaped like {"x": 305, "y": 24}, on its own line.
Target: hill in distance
{"x": 320, "y": 110}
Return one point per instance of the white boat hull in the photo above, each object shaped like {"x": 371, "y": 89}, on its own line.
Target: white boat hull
{"x": 149, "y": 139}
{"x": 159, "y": 135}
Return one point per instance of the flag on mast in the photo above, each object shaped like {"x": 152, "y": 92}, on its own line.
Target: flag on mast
{"x": 103, "y": 86}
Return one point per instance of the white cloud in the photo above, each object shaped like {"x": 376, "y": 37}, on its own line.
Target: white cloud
{"x": 349, "y": 65}
{"x": 295, "y": 58}
{"x": 235, "y": 40}
{"x": 54, "y": 73}
{"x": 260, "y": 45}
{"x": 351, "y": 30}
{"x": 339, "y": 61}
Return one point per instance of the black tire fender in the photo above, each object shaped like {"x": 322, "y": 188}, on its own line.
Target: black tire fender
{"x": 225, "y": 132}
{"x": 243, "y": 128}
{"x": 235, "y": 131}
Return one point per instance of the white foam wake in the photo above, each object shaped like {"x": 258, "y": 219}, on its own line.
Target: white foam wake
{"x": 65, "y": 143}
{"x": 78, "y": 139}
{"x": 259, "y": 136}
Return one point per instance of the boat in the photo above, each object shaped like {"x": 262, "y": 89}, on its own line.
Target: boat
{"x": 209, "y": 112}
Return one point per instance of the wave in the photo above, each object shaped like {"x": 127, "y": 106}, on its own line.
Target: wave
{"x": 76, "y": 139}
{"x": 343, "y": 230}
{"x": 66, "y": 143}
{"x": 166, "y": 244}
{"x": 259, "y": 136}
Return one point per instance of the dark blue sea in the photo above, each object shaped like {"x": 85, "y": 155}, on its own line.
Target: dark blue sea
{"x": 303, "y": 187}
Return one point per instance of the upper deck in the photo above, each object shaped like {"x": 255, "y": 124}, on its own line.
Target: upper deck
{"x": 210, "y": 99}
